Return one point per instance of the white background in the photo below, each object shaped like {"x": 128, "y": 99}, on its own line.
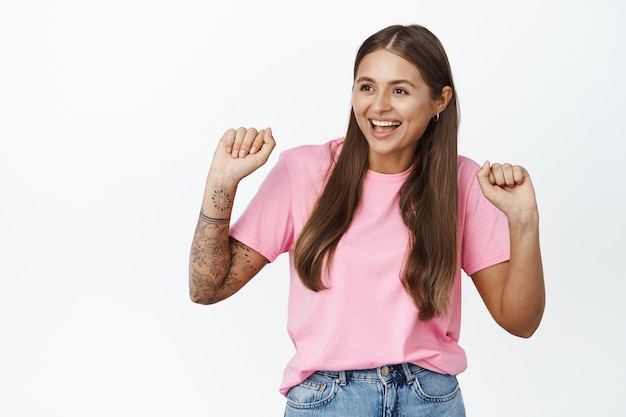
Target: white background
{"x": 109, "y": 114}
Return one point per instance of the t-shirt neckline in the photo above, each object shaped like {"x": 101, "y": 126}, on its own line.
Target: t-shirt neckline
{"x": 399, "y": 177}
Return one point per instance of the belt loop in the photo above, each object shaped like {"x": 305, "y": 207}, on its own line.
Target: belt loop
{"x": 342, "y": 378}
{"x": 407, "y": 373}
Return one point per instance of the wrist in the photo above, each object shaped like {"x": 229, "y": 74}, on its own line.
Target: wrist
{"x": 524, "y": 221}
{"x": 219, "y": 195}
{"x": 222, "y": 179}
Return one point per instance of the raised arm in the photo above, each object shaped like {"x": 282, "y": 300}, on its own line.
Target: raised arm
{"x": 514, "y": 291}
{"x": 218, "y": 264}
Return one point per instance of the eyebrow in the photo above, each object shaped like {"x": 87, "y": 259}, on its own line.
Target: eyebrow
{"x": 394, "y": 82}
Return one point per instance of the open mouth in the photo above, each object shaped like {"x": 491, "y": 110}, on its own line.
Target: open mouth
{"x": 380, "y": 126}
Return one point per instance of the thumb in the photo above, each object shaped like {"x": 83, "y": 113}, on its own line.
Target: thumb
{"x": 483, "y": 176}
{"x": 487, "y": 182}
{"x": 268, "y": 145}
{"x": 268, "y": 138}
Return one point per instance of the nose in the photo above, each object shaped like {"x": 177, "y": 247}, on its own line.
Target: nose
{"x": 381, "y": 103}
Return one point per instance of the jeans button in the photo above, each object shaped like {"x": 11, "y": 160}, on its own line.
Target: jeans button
{"x": 384, "y": 370}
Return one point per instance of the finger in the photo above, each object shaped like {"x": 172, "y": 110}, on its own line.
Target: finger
{"x": 258, "y": 142}
{"x": 507, "y": 173}
{"x": 519, "y": 174}
{"x": 266, "y": 140}
{"x": 252, "y": 136}
{"x": 268, "y": 145}
{"x": 227, "y": 140}
{"x": 498, "y": 174}
{"x": 242, "y": 132}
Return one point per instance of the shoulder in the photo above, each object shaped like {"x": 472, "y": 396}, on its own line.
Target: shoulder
{"x": 467, "y": 170}
{"x": 307, "y": 158}
{"x": 467, "y": 167}
{"x": 313, "y": 152}
{"x": 467, "y": 182}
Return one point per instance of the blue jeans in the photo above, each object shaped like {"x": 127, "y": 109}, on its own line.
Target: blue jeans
{"x": 404, "y": 390}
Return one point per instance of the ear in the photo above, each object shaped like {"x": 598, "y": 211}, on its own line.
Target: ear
{"x": 444, "y": 98}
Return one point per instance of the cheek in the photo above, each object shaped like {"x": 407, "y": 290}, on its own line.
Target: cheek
{"x": 357, "y": 106}
{"x": 420, "y": 114}
{"x": 362, "y": 123}
{"x": 361, "y": 102}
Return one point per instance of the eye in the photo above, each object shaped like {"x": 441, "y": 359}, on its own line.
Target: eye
{"x": 400, "y": 91}
{"x": 365, "y": 87}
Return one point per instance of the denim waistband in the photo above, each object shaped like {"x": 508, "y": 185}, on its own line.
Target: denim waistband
{"x": 385, "y": 374}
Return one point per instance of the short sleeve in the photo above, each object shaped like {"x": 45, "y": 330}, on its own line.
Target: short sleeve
{"x": 485, "y": 230}
{"x": 266, "y": 224}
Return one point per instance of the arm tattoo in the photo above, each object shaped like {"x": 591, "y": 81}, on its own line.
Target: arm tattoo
{"x": 209, "y": 258}
{"x": 213, "y": 220}
{"x": 209, "y": 248}
{"x": 240, "y": 256}
{"x": 208, "y": 292}
{"x": 219, "y": 264}
{"x": 222, "y": 201}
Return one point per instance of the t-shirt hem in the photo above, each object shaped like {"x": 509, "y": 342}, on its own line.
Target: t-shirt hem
{"x": 494, "y": 260}
{"x": 253, "y": 243}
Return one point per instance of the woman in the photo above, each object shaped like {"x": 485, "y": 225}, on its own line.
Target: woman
{"x": 378, "y": 226}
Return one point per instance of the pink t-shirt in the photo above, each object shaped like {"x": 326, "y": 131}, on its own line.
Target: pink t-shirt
{"x": 366, "y": 319}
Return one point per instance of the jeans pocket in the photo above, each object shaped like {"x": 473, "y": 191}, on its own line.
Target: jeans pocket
{"x": 316, "y": 391}
{"x": 435, "y": 387}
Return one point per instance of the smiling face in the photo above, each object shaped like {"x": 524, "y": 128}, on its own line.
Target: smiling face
{"x": 393, "y": 106}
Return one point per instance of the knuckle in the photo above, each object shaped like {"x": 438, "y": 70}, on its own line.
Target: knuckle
{"x": 229, "y": 135}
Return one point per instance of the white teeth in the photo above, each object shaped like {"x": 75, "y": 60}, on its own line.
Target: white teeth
{"x": 381, "y": 123}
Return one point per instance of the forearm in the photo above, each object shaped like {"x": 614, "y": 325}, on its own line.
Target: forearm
{"x": 210, "y": 257}
{"x": 523, "y": 295}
